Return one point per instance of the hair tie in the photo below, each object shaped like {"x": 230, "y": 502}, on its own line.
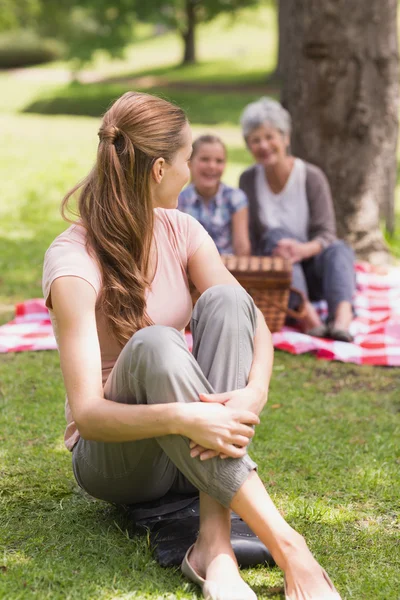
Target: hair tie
{"x": 109, "y": 133}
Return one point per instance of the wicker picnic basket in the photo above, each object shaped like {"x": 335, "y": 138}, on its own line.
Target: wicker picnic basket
{"x": 267, "y": 279}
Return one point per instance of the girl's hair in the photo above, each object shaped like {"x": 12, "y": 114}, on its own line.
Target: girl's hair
{"x": 206, "y": 139}
{"x": 115, "y": 204}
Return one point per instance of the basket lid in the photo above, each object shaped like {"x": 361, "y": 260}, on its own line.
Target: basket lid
{"x": 274, "y": 267}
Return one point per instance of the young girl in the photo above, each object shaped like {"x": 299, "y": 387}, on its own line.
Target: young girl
{"x": 221, "y": 210}
{"x": 144, "y": 415}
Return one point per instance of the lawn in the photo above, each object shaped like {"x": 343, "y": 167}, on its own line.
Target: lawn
{"x": 328, "y": 446}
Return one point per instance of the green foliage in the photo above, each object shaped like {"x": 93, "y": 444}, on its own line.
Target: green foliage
{"x": 83, "y": 25}
{"x": 18, "y": 14}
{"x": 174, "y": 12}
{"x": 86, "y": 26}
{"x": 24, "y": 48}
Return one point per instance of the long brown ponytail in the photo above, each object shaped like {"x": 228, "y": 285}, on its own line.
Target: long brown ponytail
{"x": 115, "y": 205}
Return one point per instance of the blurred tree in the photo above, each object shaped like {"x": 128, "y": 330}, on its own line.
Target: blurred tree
{"x": 282, "y": 7}
{"x": 83, "y": 25}
{"x": 341, "y": 86}
{"x": 88, "y": 25}
{"x": 184, "y": 15}
{"x": 18, "y": 14}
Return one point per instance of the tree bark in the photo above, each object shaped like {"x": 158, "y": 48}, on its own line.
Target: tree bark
{"x": 282, "y": 9}
{"x": 341, "y": 87}
{"x": 189, "y": 54}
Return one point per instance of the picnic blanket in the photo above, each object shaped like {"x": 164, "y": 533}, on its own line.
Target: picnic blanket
{"x": 30, "y": 329}
{"x": 376, "y": 327}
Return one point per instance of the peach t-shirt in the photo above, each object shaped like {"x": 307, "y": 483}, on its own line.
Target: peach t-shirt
{"x": 177, "y": 235}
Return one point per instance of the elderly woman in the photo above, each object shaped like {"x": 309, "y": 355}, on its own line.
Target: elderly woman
{"x": 291, "y": 215}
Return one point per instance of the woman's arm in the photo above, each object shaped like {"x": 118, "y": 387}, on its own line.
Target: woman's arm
{"x": 261, "y": 368}
{"x": 322, "y": 226}
{"x": 207, "y": 269}
{"x": 247, "y": 185}
{"x": 240, "y": 232}
{"x": 96, "y": 418}
{"x": 99, "y": 419}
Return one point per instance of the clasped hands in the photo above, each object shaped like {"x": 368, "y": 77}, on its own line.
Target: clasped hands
{"x": 230, "y": 418}
{"x": 291, "y": 249}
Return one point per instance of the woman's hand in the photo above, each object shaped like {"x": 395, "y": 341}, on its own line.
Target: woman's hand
{"x": 218, "y": 429}
{"x": 296, "y": 251}
{"x": 247, "y": 399}
{"x": 291, "y": 249}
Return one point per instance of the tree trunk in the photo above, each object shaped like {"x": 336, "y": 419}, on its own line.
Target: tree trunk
{"x": 189, "y": 54}
{"x": 282, "y": 8}
{"x": 341, "y": 88}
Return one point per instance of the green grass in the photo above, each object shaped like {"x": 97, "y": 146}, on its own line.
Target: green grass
{"x": 327, "y": 447}
{"x": 326, "y": 451}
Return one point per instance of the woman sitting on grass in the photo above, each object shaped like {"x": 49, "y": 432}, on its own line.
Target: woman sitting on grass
{"x": 145, "y": 416}
{"x": 291, "y": 215}
{"x": 221, "y": 210}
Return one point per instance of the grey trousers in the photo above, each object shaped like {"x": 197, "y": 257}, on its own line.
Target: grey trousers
{"x": 329, "y": 275}
{"x": 155, "y": 367}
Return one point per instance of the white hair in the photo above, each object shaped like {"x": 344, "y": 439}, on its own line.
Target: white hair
{"x": 265, "y": 111}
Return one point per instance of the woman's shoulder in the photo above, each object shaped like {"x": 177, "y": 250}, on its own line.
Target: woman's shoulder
{"x": 72, "y": 241}
{"x": 313, "y": 172}
{"x": 317, "y": 185}
{"x": 177, "y": 220}
{"x": 74, "y": 233}
{"x": 67, "y": 255}
{"x": 249, "y": 173}
{"x": 179, "y": 230}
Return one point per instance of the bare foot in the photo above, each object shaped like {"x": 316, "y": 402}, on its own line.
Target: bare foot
{"x": 343, "y": 316}
{"x": 217, "y": 564}
{"x": 311, "y": 318}
{"x": 305, "y": 579}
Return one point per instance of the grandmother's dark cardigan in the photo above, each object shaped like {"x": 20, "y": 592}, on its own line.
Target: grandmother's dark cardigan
{"x": 322, "y": 225}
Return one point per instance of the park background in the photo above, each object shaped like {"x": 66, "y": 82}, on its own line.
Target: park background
{"x": 327, "y": 447}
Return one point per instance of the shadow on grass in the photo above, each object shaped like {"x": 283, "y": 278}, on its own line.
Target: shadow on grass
{"x": 80, "y": 548}
{"x": 219, "y": 74}
{"x": 94, "y": 99}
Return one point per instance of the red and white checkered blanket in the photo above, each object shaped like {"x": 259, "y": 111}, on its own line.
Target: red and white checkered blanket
{"x": 30, "y": 329}
{"x": 376, "y": 328}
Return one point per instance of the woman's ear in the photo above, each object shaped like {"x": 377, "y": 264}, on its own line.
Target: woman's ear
{"x": 158, "y": 170}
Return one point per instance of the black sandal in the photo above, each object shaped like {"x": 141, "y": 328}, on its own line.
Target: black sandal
{"x": 340, "y": 335}
{"x": 320, "y": 331}
{"x": 172, "y": 524}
